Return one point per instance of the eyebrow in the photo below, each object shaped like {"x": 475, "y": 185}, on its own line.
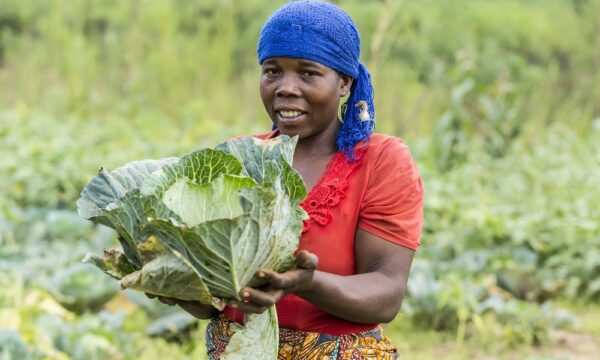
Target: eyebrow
{"x": 301, "y": 62}
{"x": 310, "y": 63}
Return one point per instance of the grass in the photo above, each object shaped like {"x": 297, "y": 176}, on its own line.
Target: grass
{"x": 582, "y": 342}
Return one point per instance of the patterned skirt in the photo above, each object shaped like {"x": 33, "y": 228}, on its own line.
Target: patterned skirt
{"x": 299, "y": 344}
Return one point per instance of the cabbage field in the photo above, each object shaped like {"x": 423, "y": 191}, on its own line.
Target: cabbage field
{"x": 499, "y": 102}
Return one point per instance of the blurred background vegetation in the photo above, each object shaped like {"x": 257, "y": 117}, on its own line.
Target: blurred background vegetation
{"x": 498, "y": 100}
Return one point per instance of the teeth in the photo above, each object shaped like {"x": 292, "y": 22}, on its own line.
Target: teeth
{"x": 290, "y": 114}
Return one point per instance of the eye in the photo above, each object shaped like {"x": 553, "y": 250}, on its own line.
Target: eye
{"x": 270, "y": 72}
{"x": 309, "y": 73}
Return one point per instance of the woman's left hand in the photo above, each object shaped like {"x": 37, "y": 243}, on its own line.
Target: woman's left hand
{"x": 293, "y": 281}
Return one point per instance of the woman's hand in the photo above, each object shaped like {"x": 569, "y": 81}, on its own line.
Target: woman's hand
{"x": 195, "y": 308}
{"x": 295, "y": 280}
{"x": 258, "y": 300}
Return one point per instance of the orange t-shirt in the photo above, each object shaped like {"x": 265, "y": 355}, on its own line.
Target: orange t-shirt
{"x": 381, "y": 194}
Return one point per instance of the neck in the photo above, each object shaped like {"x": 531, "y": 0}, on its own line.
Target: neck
{"x": 322, "y": 143}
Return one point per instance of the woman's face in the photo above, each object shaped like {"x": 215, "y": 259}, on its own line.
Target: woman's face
{"x": 301, "y": 96}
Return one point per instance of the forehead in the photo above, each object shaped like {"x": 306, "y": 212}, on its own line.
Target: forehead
{"x": 289, "y": 61}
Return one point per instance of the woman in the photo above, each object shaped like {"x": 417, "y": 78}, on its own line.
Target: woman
{"x": 365, "y": 199}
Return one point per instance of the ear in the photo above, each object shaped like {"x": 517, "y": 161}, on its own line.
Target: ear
{"x": 345, "y": 84}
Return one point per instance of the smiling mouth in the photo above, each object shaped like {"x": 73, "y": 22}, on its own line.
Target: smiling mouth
{"x": 289, "y": 114}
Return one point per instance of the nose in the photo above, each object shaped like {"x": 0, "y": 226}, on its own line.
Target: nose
{"x": 288, "y": 86}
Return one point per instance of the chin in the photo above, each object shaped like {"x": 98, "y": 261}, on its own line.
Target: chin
{"x": 290, "y": 132}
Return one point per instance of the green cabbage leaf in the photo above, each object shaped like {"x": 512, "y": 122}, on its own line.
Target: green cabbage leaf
{"x": 200, "y": 226}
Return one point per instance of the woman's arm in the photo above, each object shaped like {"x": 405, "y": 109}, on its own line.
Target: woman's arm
{"x": 372, "y": 296}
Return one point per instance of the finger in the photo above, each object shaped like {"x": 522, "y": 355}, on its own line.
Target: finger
{"x": 266, "y": 298}
{"x": 277, "y": 280}
{"x": 287, "y": 280}
{"x": 197, "y": 309}
{"x": 247, "y": 307}
{"x": 307, "y": 260}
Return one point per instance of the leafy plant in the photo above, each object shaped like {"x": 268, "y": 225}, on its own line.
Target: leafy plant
{"x": 80, "y": 288}
{"x": 12, "y": 346}
{"x": 199, "y": 227}
{"x": 176, "y": 326}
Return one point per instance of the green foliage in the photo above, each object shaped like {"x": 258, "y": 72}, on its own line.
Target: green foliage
{"x": 79, "y": 288}
{"x": 198, "y": 228}
{"x": 511, "y": 239}
{"x": 183, "y": 63}
{"x": 174, "y": 327}
{"x": 127, "y": 70}
{"x": 40, "y": 328}
{"x": 531, "y": 221}
{"x": 12, "y": 346}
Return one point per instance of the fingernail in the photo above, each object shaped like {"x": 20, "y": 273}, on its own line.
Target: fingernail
{"x": 260, "y": 274}
{"x": 245, "y": 294}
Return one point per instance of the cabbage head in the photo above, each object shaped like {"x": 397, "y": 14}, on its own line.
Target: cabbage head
{"x": 200, "y": 226}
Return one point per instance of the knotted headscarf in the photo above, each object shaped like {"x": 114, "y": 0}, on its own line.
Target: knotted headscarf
{"x": 324, "y": 33}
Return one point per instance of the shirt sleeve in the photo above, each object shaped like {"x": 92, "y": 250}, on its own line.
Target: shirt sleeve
{"x": 392, "y": 207}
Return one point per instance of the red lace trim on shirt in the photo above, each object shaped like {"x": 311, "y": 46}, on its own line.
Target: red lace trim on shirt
{"x": 329, "y": 190}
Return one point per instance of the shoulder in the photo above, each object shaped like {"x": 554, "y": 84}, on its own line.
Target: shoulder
{"x": 391, "y": 206}
{"x": 383, "y": 148}
{"x": 388, "y": 157}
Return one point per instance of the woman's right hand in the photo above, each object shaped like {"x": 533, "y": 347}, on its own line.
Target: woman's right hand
{"x": 293, "y": 281}
{"x": 195, "y": 308}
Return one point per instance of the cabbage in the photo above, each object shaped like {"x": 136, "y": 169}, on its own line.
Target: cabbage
{"x": 12, "y": 345}
{"x": 79, "y": 288}
{"x": 199, "y": 227}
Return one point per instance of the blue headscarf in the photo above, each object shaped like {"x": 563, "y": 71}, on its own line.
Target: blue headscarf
{"x": 324, "y": 33}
